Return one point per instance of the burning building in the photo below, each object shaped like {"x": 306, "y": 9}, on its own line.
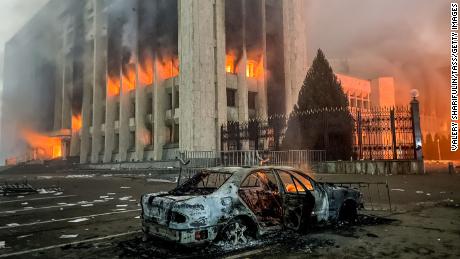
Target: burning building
{"x": 137, "y": 80}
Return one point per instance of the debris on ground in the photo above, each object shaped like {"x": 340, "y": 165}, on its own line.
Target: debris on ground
{"x": 277, "y": 243}
{"x": 78, "y": 220}
{"x": 17, "y": 188}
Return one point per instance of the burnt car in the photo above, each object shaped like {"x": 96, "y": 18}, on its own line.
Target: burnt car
{"x": 234, "y": 203}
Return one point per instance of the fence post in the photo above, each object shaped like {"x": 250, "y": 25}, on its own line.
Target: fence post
{"x": 393, "y": 133}
{"x": 222, "y": 137}
{"x": 416, "y": 130}
{"x": 360, "y": 137}
{"x": 238, "y": 135}
{"x": 326, "y": 132}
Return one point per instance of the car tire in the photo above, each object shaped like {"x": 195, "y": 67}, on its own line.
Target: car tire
{"x": 348, "y": 212}
{"x": 236, "y": 232}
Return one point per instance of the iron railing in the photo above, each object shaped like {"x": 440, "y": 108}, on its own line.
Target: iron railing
{"x": 296, "y": 158}
{"x": 378, "y": 133}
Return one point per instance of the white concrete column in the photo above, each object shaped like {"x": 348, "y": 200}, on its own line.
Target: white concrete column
{"x": 198, "y": 78}
{"x": 125, "y": 99}
{"x": 67, "y": 108}
{"x": 295, "y": 49}
{"x": 88, "y": 75}
{"x": 58, "y": 92}
{"x": 141, "y": 131}
{"x": 99, "y": 60}
{"x": 221, "y": 78}
{"x": 159, "y": 110}
{"x": 262, "y": 109}
{"x": 242, "y": 92}
{"x": 110, "y": 115}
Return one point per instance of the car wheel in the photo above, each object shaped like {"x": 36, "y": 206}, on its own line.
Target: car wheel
{"x": 348, "y": 212}
{"x": 235, "y": 232}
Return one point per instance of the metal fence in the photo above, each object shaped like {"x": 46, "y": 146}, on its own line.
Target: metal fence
{"x": 381, "y": 134}
{"x": 376, "y": 195}
{"x": 203, "y": 159}
{"x": 385, "y": 133}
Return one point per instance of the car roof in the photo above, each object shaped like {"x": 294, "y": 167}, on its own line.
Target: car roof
{"x": 246, "y": 169}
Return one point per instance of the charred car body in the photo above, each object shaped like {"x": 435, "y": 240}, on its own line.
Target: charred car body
{"x": 232, "y": 203}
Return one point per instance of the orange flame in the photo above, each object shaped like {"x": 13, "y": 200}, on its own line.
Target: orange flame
{"x": 113, "y": 86}
{"x": 129, "y": 78}
{"x": 230, "y": 63}
{"x": 145, "y": 136}
{"x": 255, "y": 69}
{"x": 168, "y": 68}
{"x": 76, "y": 123}
{"x": 45, "y": 146}
{"x": 146, "y": 72}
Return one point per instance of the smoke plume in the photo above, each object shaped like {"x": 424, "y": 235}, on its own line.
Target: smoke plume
{"x": 408, "y": 40}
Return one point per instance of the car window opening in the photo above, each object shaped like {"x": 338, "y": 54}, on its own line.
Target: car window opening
{"x": 202, "y": 183}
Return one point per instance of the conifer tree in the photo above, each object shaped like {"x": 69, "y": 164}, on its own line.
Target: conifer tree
{"x": 326, "y": 130}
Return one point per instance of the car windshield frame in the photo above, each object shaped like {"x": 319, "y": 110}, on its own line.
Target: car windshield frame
{"x": 191, "y": 186}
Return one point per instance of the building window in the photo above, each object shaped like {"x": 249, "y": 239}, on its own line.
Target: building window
{"x": 103, "y": 114}
{"x": 366, "y": 104}
{"x": 250, "y": 67}
{"x": 90, "y": 146}
{"x": 176, "y": 134}
{"x": 132, "y": 108}
{"x": 117, "y": 111}
{"x": 173, "y": 134}
{"x": 360, "y": 104}
{"x": 352, "y": 102}
{"x": 176, "y": 100}
{"x": 148, "y": 136}
{"x": 132, "y": 141}
{"x": 101, "y": 151}
{"x": 170, "y": 101}
{"x": 116, "y": 143}
{"x": 231, "y": 97}
{"x": 252, "y": 100}
{"x": 149, "y": 105}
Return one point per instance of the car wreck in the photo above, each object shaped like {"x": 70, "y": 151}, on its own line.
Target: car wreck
{"x": 236, "y": 203}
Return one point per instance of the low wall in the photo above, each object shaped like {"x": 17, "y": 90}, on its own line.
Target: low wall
{"x": 371, "y": 167}
{"x": 133, "y": 165}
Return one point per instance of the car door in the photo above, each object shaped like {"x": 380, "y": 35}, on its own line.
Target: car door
{"x": 260, "y": 192}
{"x": 321, "y": 209}
{"x": 298, "y": 202}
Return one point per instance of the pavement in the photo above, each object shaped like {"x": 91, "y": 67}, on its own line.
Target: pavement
{"x": 97, "y": 216}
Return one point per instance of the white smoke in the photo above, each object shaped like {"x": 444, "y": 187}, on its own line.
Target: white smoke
{"x": 14, "y": 13}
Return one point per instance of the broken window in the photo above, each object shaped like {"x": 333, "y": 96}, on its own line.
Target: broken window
{"x": 305, "y": 181}
{"x": 231, "y": 97}
{"x": 149, "y": 107}
{"x": 252, "y": 100}
{"x": 288, "y": 182}
{"x": 251, "y": 181}
{"x": 132, "y": 141}
{"x": 202, "y": 183}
